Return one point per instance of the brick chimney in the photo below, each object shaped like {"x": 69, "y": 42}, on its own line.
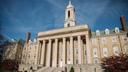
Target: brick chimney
{"x": 123, "y": 23}
{"x": 28, "y": 35}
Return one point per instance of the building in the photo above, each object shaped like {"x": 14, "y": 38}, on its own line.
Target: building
{"x": 12, "y": 51}
{"x": 73, "y": 46}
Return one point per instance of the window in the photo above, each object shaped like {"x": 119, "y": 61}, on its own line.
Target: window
{"x": 105, "y": 52}
{"x": 77, "y": 51}
{"x": 68, "y": 25}
{"x": 68, "y": 14}
{"x": 96, "y": 60}
{"x": 95, "y": 52}
{"x": 94, "y": 41}
{"x": 76, "y": 61}
{"x": 85, "y": 52}
{"x": 116, "y": 50}
{"x": 114, "y": 39}
{"x": 103, "y": 41}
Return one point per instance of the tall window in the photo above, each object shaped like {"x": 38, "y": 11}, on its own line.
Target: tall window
{"x": 68, "y": 14}
{"x": 95, "y": 52}
{"x": 105, "y": 52}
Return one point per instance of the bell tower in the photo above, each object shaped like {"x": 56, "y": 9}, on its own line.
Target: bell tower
{"x": 69, "y": 15}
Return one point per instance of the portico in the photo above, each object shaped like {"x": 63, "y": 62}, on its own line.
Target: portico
{"x": 63, "y": 46}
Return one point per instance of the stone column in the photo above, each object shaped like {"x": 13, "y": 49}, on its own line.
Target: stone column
{"x": 79, "y": 50}
{"x": 88, "y": 50}
{"x": 54, "y": 61}
{"x": 39, "y": 49}
{"x": 71, "y": 50}
{"x": 64, "y": 52}
{"x": 48, "y": 54}
{"x": 42, "y": 53}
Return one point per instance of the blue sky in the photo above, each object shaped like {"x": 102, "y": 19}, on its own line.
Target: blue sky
{"x": 20, "y": 16}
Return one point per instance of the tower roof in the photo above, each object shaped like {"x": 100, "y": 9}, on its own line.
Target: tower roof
{"x": 70, "y": 4}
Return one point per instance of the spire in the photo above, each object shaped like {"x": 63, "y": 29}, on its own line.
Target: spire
{"x": 70, "y": 4}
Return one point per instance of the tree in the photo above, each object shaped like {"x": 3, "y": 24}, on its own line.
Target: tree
{"x": 116, "y": 63}
{"x": 72, "y": 69}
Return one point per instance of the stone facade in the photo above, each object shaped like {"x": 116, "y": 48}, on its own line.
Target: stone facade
{"x": 72, "y": 46}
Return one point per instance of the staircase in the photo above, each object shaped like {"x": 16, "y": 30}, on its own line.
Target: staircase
{"x": 50, "y": 69}
{"x": 59, "y": 69}
{"x": 41, "y": 69}
{"x": 77, "y": 68}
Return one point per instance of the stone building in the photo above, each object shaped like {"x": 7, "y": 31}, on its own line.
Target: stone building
{"x": 73, "y": 46}
{"x": 12, "y": 51}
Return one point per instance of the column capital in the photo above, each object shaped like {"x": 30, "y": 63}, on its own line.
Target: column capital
{"x": 44, "y": 41}
{"x": 79, "y": 36}
{"x": 56, "y": 39}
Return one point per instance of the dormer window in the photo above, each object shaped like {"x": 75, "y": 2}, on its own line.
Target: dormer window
{"x": 117, "y": 30}
{"x": 97, "y": 32}
{"x": 107, "y": 32}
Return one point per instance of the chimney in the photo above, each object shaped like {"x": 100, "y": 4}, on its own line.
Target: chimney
{"x": 123, "y": 23}
{"x": 28, "y": 35}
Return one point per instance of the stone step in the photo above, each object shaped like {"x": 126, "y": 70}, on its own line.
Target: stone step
{"x": 41, "y": 69}
{"x": 59, "y": 69}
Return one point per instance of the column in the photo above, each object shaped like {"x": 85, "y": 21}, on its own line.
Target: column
{"x": 71, "y": 50}
{"x": 64, "y": 52}
{"x": 54, "y": 61}
{"x": 88, "y": 50}
{"x": 39, "y": 49}
{"x": 79, "y": 50}
{"x": 48, "y": 54}
{"x": 42, "y": 53}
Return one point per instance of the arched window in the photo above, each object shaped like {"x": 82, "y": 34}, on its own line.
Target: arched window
{"x": 107, "y": 31}
{"x": 68, "y": 14}
{"x": 116, "y": 50}
{"x": 105, "y": 52}
{"x": 97, "y": 32}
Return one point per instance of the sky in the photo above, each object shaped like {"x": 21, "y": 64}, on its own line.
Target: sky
{"x": 20, "y": 16}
